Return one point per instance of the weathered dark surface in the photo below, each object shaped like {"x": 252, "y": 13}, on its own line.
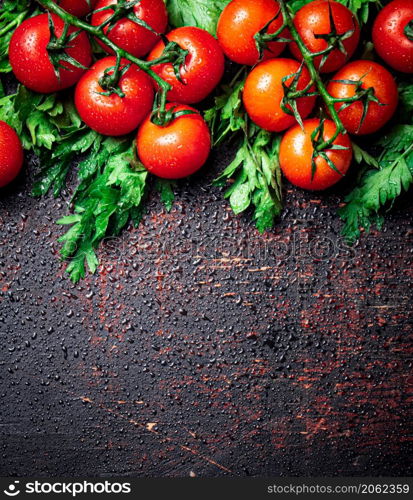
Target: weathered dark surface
{"x": 203, "y": 347}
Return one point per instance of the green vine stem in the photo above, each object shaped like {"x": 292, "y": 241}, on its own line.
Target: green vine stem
{"x": 308, "y": 58}
{"x": 97, "y": 31}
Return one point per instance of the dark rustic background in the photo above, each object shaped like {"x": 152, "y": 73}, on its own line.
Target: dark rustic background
{"x": 203, "y": 348}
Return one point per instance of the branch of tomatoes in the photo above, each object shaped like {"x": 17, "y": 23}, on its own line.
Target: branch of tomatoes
{"x": 172, "y": 53}
{"x": 329, "y": 101}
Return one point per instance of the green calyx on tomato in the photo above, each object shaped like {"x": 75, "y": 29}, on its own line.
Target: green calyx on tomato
{"x": 111, "y": 77}
{"x": 320, "y": 149}
{"x": 202, "y": 70}
{"x": 56, "y": 48}
{"x": 123, "y": 9}
{"x": 334, "y": 39}
{"x": 365, "y": 96}
{"x": 292, "y": 92}
{"x": 264, "y": 37}
{"x": 173, "y": 54}
{"x": 134, "y": 26}
{"x": 408, "y": 30}
{"x": 163, "y": 115}
{"x": 330, "y": 33}
{"x": 251, "y": 30}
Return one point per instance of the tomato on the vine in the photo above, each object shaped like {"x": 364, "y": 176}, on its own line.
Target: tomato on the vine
{"x": 264, "y": 93}
{"x": 393, "y": 35}
{"x": 313, "y": 25}
{"x": 241, "y": 21}
{"x": 380, "y": 96}
{"x": 126, "y": 33}
{"x": 103, "y": 109}
{"x": 203, "y": 67}
{"x": 30, "y": 59}
{"x": 297, "y": 151}
{"x": 78, "y": 8}
{"x": 177, "y": 150}
{"x": 11, "y": 154}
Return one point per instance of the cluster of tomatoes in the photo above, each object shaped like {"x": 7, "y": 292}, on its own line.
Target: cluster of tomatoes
{"x": 181, "y": 146}
{"x": 331, "y": 30}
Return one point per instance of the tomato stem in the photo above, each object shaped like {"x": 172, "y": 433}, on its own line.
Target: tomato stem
{"x": 97, "y": 32}
{"x": 308, "y": 58}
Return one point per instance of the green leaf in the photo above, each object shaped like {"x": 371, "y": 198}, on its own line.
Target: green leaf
{"x": 362, "y": 8}
{"x": 378, "y": 188}
{"x": 111, "y": 195}
{"x": 201, "y": 13}
{"x": 256, "y": 178}
{"x": 165, "y": 188}
{"x": 227, "y": 116}
{"x": 12, "y": 14}
{"x": 240, "y": 198}
{"x": 361, "y": 156}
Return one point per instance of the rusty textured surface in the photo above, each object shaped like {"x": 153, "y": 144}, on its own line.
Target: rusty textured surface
{"x": 202, "y": 347}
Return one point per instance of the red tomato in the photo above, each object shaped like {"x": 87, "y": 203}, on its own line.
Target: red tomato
{"x": 78, "y": 8}
{"x": 129, "y": 35}
{"x": 240, "y": 21}
{"x": 264, "y": 92}
{"x": 114, "y": 115}
{"x": 373, "y": 76}
{"x": 11, "y": 154}
{"x": 390, "y": 38}
{"x": 314, "y": 19}
{"x": 178, "y": 150}
{"x": 30, "y": 60}
{"x": 203, "y": 68}
{"x": 296, "y": 152}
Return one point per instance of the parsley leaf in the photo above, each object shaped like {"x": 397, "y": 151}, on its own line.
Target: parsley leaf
{"x": 12, "y": 14}
{"x": 380, "y": 187}
{"x": 361, "y": 8}
{"x": 255, "y": 171}
{"x": 103, "y": 208}
{"x": 256, "y": 178}
{"x": 201, "y": 13}
{"x": 165, "y": 188}
{"x": 227, "y": 116}
{"x": 111, "y": 183}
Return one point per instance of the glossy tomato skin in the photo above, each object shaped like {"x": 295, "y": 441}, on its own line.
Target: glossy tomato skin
{"x": 130, "y": 36}
{"x": 240, "y": 21}
{"x": 114, "y": 115}
{"x": 389, "y": 37}
{"x": 296, "y": 151}
{"x": 11, "y": 154}
{"x": 314, "y": 19}
{"x": 263, "y": 94}
{"x": 78, "y": 8}
{"x": 385, "y": 89}
{"x": 30, "y": 61}
{"x": 178, "y": 150}
{"x": 203, "y": 68}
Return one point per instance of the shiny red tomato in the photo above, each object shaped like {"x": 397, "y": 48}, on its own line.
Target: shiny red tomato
{"x": 11, "y": 154}
{"x": 296, "y": 153}
{"x": 30, "y": 60}
{"x": 263, "y": 93}
{"x": 313, "y": 20}
{"x": 178, "y": 150}
{"x": 78, "y": 8}
{"x": 383, "y": 87}
{"x": 129, "y": 35}
{"x": 391, "y": 37}
{"x": 203, "y": 68}
{"x": 238, "y": 24}
{"x": 112, "y": 114}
